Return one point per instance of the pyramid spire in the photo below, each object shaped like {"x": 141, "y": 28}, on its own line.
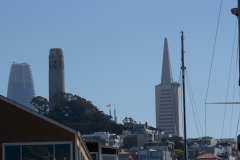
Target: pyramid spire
{"x": 166, "y": 66}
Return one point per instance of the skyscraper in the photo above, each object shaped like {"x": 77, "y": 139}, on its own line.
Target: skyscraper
{"x": 167, "y": 98}
{"x": 56, "y": 74}
{"x": 20, "y": 84}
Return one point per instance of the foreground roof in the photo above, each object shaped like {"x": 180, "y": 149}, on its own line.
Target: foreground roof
{"x": 36, "y": 114}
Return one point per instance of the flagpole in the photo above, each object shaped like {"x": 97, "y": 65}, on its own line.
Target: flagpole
{"x": 114, "y": 114}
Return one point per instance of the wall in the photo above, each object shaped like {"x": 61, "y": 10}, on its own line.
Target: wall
{"x": 18, "y": 125}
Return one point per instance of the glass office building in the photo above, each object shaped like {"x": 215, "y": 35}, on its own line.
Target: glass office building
{"x": 20, "y": 84}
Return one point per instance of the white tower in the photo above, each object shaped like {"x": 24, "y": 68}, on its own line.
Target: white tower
{"x": 167, "y": 98}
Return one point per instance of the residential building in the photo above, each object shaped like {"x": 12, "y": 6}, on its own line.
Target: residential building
{"x": 140, "y": 133}
{"x": 125, "y": 156}
{"x": 229, "y": 140}
{"x": 213, "y": 150}
{"x": 56, "y": 74}
{"x": 153, "y": 154}
{"x": 167, "y": 99}
{"x": 202, "y": 141}
{"x": 26, "y": 134}
{"x": 112, "y": 139}
{"x": 100, "y": 150}
{"x": 161, "y": 146}
{"x": 21, "y": 85}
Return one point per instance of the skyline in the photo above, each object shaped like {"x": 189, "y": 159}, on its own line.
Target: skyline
{"x": 113, "y": 52}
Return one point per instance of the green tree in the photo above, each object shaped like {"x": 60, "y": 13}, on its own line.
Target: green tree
{"x": 179, "y": 154}
{"x": 128, "y": 122}
{"x": 80, "y": 114}
{"x": 41, "y": 104}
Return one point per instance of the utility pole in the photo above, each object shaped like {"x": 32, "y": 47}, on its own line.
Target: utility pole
{"x": 184, "y": 102}
{"x": 235, "y": 11}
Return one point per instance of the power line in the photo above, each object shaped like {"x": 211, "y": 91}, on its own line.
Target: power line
{"x": 211, "y": 68}
{"x": 229, "y": 76}
{"x": 234, "y": 78}
{"x": 188, "y": 84}
{"x": 194, "y": 102}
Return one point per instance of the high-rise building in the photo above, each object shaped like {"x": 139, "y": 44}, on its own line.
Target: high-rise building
{"x": 167, "y": 98}
{"x": 20, "y": 84}
{"x": 56, "y": 74}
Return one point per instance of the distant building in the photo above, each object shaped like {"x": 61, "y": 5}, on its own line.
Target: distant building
{"x": 202, "y": 141}
{"x": 167, "y": 99}
{"x": 56, "y": 74}
{"x": 125, "y": 156}
{"x": 110, "y": 138}
{"x": 21, "y": 85}
{"x": 100, "y": 148}
{"x": 28, "y": 135}
{"x": 156, "y": 150}
{"x": 140, "y": 133}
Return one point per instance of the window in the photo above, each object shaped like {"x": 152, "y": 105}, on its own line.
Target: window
{"x": 163, "y": 115}
{"x": 9, "y": 150}
{"x": 168, "y": 104}
{"x": 165, "y": 90}
{"x": 165, "y": 97}
{"x": 165, "y": 122}
{"x": 38, "y": 151}
{"x": 165, "y": 111}
{"x": 165, "y": 119}
{"x": 166, "y": 101}
{"x": 165, "y": 93}
{"x": 165, "y": 108}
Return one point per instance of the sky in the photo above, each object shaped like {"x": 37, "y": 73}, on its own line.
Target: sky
{"x": 113, "y": 53}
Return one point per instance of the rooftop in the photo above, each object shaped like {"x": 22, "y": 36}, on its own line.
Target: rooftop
{"x": 208, "y": 156}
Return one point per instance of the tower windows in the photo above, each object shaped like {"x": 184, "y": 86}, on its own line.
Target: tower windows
{"x": 60, "y": 64}
{"x": 55, "y": 64}
{"x": 165, "y": 93}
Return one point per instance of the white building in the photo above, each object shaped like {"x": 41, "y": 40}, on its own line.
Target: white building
{"x": 167, "y": 99}
{"x": 110, "y": 139}
{"x": 102, "y": 145}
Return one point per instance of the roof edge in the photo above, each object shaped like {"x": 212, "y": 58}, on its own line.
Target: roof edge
{"x": 37, "y": 114}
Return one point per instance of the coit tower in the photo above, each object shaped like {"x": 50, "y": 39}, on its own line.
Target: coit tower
{"x": 56, "y": 74}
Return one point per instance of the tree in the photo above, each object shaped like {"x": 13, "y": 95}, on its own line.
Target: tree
{"x": 41, "y": 104}
{"x": 128, "y": 122}
{"x": 179, "y": 154}
{"x": 80, "y": 114}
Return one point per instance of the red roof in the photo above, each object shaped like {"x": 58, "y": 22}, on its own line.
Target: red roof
{"x": 208, "y": 156}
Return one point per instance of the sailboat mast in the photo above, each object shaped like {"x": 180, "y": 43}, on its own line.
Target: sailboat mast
{"x": 238, "y": 39}
{"x": 184, "y": 102}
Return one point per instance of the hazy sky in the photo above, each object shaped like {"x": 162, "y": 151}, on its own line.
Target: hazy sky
{"x": 113, "y": 52}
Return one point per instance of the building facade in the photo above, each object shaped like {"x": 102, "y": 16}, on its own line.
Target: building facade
{"x": 56, "y": 74}
{"x": 140, "y": 134}
{"x": 30, "y": 135}
{"x": 21, "y": 85}
{"x": 111, "y": 138}
{"x": 167, "y": 99}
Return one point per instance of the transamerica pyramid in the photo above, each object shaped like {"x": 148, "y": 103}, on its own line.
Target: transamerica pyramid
{"x": 167, "y": 98}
